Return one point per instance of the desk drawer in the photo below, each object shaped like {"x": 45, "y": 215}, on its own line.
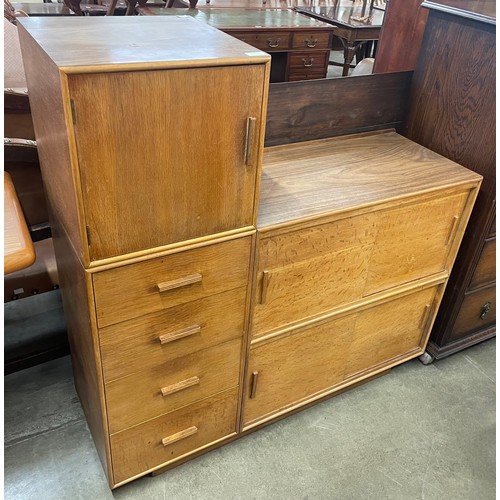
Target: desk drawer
{"x": 296, "y": 76}
{"x": 308, "y": 61}
{"x": 170, "y": 436}
{"x": 268, "y": 41}
{"x": 486, "y": 267}
{"x": 154, "y": 285}
{"x": 311, "y": 40}
{"x": 165, "y": 387}
{"x": 166, "y": 335}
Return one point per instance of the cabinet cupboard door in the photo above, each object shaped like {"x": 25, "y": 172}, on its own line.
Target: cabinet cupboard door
{"x": 290, "y": 370}
{"x": 163, "y": 154}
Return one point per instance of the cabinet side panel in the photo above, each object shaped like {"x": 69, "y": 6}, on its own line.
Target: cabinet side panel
{"x": 45, "y": 84}
{"x": 81, "y": 328}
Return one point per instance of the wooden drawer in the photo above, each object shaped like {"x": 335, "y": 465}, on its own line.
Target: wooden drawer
{"x": 134, "y": 290}
{"x": 268, "y": 41}
{"x": 308, "y": 61}
{"x": 478, "y": 311}
{"x": 308, "y": 271}
{"x": 485, "y": 271}
{"x": 165, "y": 387}
{"x": 163, "y": 439}
{"x": 293, "y": 368}
{"x": 300, "y": 76}
{"x": 166, "y": 335}
{"x": 311, "y": 40}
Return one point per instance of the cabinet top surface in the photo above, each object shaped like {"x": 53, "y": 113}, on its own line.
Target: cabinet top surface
{"x": 235, "y": 18}
{"x": 101, "y": 43}
{"x": 309, "y": 179}
{"x": 480, "y": 10}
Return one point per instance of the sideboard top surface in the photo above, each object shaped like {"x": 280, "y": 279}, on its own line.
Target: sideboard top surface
{"x": 308, "y": 179}
{"x": 136, "y": 42}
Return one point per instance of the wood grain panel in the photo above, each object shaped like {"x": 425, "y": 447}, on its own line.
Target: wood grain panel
{"x": 296, "y": 367}
{"x": 390, "y": 330}
{"x": 301, "y": 111}
{"x": 214, "y": 188}
{"x": 128, "y": 347}
{"x": 138, "y": 397}
{"x": 140, "y": 449}
{"x": 131, "y": 291}
{"x": 306, "y": 180}
{"x": 485, "y": 272}
{"x": 47, "y": 87}
{"x": 414, "y": 241}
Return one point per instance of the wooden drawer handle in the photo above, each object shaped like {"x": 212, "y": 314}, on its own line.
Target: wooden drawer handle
{"x": 309, "y": 64}
{"x": 171, "y": 285}
{"x": 452, "y": 230}
{"x": 253, "y": 386}
{"x": 273, "y": 44}
{"x": 266, "y": 276}
{"x": 179, "y": 435}
{"x": 179, "y": 334}
{"x": 311, "y": 42}
{"x": 179, "y": 386}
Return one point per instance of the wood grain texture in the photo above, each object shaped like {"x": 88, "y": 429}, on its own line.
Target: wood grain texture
{"x": 18, "y": 249}
{"x": 485, "y": 272}
{"x": 307, "y": 179}
{"x": 452, "y": 112}
{"x": 128, "y": 347}
{"x": 401, "y": 36}
{"x": 79, "y": 313}
{"x": 50, "y": 122}
{"x": 139, "y": 450}
{"x": 214, "y": 190}
{"x": 138, "y": 397}
{"x": 152, "y": 43}
{"x": 308, "y": 361}
{"x": 131, "y": 291}
{"x": 302, "y": 111}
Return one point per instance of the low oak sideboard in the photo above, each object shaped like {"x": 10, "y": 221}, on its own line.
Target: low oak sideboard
{"x": 211, "y": 287}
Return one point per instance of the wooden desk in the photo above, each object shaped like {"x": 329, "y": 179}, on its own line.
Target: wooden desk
{"x": 299, "y": 45}
{"x": 18, "y": 247}
{"x": 354, "y": 24}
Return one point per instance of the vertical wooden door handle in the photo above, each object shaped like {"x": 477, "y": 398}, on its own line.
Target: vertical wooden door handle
{"x": 253, "y": 386}
{"x": 266, "y": 276}
{"x": 452, "y": 230}
{"x": 427, "y": 317}
{"x": 425, "y": 314}
{"x": 248, "y": 141}
{"x": 179, "y": 435}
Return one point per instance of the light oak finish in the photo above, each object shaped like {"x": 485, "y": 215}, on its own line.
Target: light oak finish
{"x": 223, "y": 266}
{"x": 311, "y": 360}
{"x": 18, "y": 250}
{"x": 129, "y": 346}
{"x": 162, "y": 388}
{"x": 214, "y": 417}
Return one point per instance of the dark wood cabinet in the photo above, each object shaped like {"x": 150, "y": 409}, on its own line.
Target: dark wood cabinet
{"x": 452, "y": 111}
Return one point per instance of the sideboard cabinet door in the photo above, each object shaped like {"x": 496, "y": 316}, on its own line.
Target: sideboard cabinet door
{"x": 167, "y": 156}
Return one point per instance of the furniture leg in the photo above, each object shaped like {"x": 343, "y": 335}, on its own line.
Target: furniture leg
{"x": 350, "y": 49}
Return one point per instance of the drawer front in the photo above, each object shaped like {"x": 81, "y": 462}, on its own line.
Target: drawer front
{"x": 154, "y": 285}
{"x": 486, "y": 267}
{"x": 414, "y": 241}
{"x": 168, "y": 386}
{"x": 268, "y": 41}
{"x": 478, "y": 311}
{"x": 297, "y": 76}
{"x": 163, "y": 439}
{"x": 290, "y": 369}
{"x": 309, "y": 271}
{"x": 311, "y": 40}
{"x": 175, "y": 332}
{"x": 308, "y": 61}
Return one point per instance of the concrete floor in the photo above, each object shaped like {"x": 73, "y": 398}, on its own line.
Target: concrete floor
{"x": 420, "y": 432}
